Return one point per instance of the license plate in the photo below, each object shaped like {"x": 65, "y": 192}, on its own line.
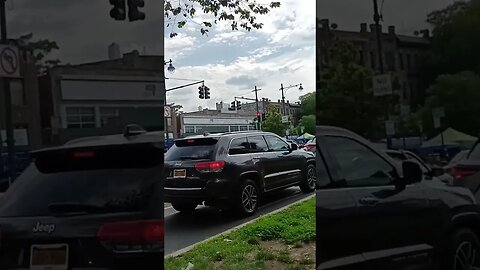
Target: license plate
{"x": 180, "y": 173}
{"x": 49, "y": 257}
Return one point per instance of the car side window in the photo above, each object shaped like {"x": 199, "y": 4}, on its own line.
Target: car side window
{"x": 257, "y": 144}
{"x": 276, "y": 144}
{"x": 359, "y": 165}
{"x": 239, "y": 146}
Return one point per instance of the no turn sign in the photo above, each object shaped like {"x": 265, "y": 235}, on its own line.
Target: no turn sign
{"x": 9, "y": 62}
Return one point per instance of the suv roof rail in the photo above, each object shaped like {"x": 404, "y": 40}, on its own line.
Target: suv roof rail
{"x": 243, "y": 131}
{"x": 133, "y": 130}
{"x": 206, "y": 133}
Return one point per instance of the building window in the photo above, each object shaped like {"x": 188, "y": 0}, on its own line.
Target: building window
{"x": 361, "y": 58}
{"x": 233, "y": 128}
{"x": 372, "y": 60}
{"x": 390, "y": 59}
{"x": 80, "y": 117}
{"x": 252, "y": 128}
{"x": 402, "y": 64}
{"x": 189, "y": 129}
{"x": 107, "y": 115}
{"x": 243, "y": 128}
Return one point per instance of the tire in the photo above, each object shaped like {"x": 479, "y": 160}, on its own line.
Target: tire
{"x": 464, "y": 247}
{"x": 247, "y": 198}
{"x": 309, "y": 182}
{"x": 185, "y": 207}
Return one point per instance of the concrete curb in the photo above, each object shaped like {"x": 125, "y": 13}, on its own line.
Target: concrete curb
{"x": 186, "y": 249}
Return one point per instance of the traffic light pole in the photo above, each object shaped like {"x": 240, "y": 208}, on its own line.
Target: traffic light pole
{"x": 8, "y": 97}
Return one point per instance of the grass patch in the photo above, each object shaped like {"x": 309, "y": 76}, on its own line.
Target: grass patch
{"x": 265, "y": 244}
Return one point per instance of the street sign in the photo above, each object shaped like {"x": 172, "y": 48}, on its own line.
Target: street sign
{"x": 437, "y": 122}
{"x": 404, "y": 110}
{"x": 390, "y": 127}
{"x": 167, "y": 111}
{"x": 285, "y": 119}
{"x": 382, "y": 85}
{"x": 438, "y": 112}
{"x": 9, "y": 64}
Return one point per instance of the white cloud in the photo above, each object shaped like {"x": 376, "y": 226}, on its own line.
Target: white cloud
{"x": 286, "y": 55}
{"x": 180, "y": 46}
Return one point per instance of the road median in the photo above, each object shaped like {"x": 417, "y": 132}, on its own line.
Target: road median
{"x": 280, "y": 240}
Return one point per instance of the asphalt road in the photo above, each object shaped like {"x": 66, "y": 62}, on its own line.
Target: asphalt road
{"x": 182, "y": 231}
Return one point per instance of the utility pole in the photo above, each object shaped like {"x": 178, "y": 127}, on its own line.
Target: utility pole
{"x": 378, "y": 32}
{"x": 8, "y": 99}
{"x": 259, "y": 117}
{"x": 283, "y": 99}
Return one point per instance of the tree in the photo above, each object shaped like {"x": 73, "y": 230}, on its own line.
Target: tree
{"x": 456, "y": 43}
{"x": 273, "y": 123}
{"x": 458, "y": 94}
{"x": 308, "y": 104}
{"x": 409, "y": 125}
{"x": 345, "y": 98}
{"x": 41, "y": 49}
{"x": 240, "y": 13}
{"x": 308, "y": 122}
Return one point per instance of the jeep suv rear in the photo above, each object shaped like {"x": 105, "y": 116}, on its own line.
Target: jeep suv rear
{"x": 93, "y": 203}
{"x": 233, "y": 169}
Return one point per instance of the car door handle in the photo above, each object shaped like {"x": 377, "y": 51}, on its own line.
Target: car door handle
{"x": 368, "y": 201}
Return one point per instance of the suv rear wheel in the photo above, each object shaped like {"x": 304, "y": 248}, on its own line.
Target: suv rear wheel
{"x": 185, "y": 207}
{"x": 310, "y": 180}
{"x": 464, "y": 252}
{"x": 247, "y": 198}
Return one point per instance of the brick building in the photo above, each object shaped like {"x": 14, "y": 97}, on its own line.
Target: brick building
{"x": 403, "y": 55}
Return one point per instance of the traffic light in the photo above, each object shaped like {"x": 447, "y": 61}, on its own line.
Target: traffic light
{"x": 118, "y": 12}
{"x": 207, "y": 92}
{"x": 201, "y": 92}
{"x": 233, "y": 106}
{"x": 239, "y": 105}
{"x": 133, "y": 13}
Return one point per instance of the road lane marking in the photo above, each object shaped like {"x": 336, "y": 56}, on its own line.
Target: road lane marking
{"x": 186, "y": 249}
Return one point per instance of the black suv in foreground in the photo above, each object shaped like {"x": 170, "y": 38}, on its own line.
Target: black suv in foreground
{"x": 373, "y": 213}
{"x": 233, "y": 169}
{"x": 94, "y": 203}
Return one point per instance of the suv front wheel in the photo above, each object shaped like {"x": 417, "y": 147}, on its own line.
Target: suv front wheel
{"x": 185, "y": 207}
{"x": 247, "y": 198}
{"x": 464, "y": 251}
{"x": 310, "y": 179}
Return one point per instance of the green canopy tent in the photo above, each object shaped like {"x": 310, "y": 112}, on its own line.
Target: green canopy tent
{"x": 451, "y": 137}
{"x": 306, "y": 136}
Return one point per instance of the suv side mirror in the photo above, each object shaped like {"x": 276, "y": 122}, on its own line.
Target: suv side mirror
{"x": 293, "y": 147}
{"x": 412, "y": 173}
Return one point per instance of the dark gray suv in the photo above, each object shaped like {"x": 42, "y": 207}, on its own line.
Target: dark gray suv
{"x": 234, "y": 169}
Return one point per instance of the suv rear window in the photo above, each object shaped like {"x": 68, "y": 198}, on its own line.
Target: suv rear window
{"x": 475, "y": 154}
{"x": 192, "y": 149}
{"x": 109, "y": 180}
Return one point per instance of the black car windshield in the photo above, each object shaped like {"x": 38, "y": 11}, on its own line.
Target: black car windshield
{"x": 192, "y": 149}
{"x": 105, "y": 187}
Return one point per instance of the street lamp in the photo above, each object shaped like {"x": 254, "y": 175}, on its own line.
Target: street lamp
{"x": 284, "y": 89}
{"x": 170, "y": 67}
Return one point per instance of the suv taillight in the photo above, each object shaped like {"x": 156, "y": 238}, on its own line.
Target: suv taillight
{"x": 213, "y": 166}
{"x": 132, "y": 236}
{"x": 458, "y": 172}
{"x": 310, "y": 147}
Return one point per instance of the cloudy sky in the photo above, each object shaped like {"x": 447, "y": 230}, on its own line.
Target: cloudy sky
{"x": 406, "y": 15}
{"x": 83, "y": 29}
{"x": 233, "y": 63}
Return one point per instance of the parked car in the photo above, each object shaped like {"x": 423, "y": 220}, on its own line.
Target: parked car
{"x": 429, "y": 172}
{"x": 460, "y": 156}
{"x": 373, "y": 213}
{"x": 310, "y": 145}
{"x": 233, "y": 169}
{"x": 94, "y": 203}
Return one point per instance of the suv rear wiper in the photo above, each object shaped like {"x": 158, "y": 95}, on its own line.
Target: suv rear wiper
{"x": 75, "y": 208}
